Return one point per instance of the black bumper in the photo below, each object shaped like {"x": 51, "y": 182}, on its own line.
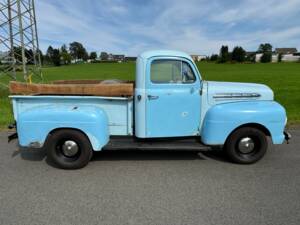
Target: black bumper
{"x": 14, "y": 135}
{"x": 287, "y": 136}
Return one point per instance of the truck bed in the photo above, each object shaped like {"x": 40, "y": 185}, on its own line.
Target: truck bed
{"x": 118, "y": 109}
{"x": 75, "y": 87}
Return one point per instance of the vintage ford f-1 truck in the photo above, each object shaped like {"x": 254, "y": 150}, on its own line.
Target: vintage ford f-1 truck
{"x": 171, "y": 108}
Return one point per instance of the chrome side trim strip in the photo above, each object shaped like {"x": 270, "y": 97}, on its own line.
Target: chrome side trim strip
{"x": 236, "y": 95}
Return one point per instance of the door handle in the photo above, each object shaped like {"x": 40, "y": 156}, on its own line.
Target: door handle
{"x": 152, "y": 97}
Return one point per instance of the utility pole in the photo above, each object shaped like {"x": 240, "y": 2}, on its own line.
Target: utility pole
{"x": 19, "y": 46}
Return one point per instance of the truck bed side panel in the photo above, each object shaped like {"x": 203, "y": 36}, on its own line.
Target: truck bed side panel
{"x": 118, "y": 109}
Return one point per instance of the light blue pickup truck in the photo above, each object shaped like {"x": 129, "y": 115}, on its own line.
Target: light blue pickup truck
{"x": 172, "y": 108}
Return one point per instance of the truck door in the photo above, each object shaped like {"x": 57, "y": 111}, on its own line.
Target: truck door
{"x": 172, "y": 98}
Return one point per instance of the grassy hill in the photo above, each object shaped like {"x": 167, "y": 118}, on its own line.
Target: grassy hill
{"x": 283, "y": 78}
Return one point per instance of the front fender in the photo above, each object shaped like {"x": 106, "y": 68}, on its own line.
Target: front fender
{"x": 222, "y": 119}
{"x": 35, "y": 124}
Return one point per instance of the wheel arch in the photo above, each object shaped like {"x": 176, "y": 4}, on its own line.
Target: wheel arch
{"x": 67, "y": 128}
{"x": 252, "y": 125}
{"x": 93, "y": 139}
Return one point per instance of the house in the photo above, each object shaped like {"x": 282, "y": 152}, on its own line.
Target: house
{"x": 110, "y": 57}
{"x": 198, "y": 58}
{"x": 119, "y": 58}
{"x": 285, "y": 51}
{"x": 258, "y": 57}
{"x": 130, "y": 58}
{"x": 287, "y": 55}
{"x": 290, "y": 58}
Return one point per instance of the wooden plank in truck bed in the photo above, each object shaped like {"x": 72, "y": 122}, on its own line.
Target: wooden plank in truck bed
{"x": 76, "y": 81}
{"x": 110, "y": 90}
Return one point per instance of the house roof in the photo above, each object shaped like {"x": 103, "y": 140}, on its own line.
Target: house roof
{"x": 286, "y": 50}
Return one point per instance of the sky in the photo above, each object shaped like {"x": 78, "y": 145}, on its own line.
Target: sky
{"x": 195, "y": 26}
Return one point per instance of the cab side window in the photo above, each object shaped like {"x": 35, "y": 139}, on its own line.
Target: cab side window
{"x": 171, "y": 71}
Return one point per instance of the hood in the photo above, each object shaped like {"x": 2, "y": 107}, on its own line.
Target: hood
{"x": 220, "y": 92}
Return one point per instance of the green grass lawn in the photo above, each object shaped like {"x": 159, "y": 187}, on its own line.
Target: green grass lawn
{"x": 283, "y": 78}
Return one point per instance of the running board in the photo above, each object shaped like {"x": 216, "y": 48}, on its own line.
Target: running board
{"x": 132, "y": 143}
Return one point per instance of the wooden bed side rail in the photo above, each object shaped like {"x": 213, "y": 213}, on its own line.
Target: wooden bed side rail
{"x": 110, "y": 90}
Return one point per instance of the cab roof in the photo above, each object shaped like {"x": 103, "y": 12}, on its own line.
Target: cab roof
{"x": 153, "y": 53}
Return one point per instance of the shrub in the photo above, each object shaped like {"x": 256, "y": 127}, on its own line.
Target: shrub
{"x": 266, "y": 57}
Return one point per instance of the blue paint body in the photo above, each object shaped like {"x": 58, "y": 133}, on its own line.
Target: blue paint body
{"x": 35, "y": 124}
{"x": 208, "y": 110}
{"x": 181, "y": 117}
{"x": 222, "y": 119}
{"x": 97, "y": 117}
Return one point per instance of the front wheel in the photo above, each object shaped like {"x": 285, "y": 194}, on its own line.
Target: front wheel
{"x": 246, "y": 145}
{"x": 69, "y": 149}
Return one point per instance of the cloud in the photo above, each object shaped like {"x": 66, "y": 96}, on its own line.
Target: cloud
{"x": 195, "y": 26}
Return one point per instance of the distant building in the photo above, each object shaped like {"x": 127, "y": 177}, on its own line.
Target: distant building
{"x": 130, "y": 58}
{"x": 198, "y": 58}
{"x": 258, "y": 57}
{"x": 119, "y": 58}
{"x": 290, "y": 58}
{"x": 274, "y": 58}
{"x": 285, "y": 51}
{"x": 250, "y": 56}
{"x": 110, "y": 57}
{"x": 287, "y": 55}
{"x": 4, "y": 58}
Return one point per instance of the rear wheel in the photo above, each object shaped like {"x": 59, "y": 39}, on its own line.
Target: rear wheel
{"x": 246, "y": 145}
{"x": 69, "y": 149}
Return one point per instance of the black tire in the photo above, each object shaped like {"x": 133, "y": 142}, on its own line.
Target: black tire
{"x": 56, "y": 149}
{"x": 246, "y": 145}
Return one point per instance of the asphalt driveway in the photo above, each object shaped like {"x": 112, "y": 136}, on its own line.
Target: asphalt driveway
{"x": 151, "y": 188}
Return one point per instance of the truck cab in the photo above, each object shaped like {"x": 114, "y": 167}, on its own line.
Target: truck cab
{"x": 167, "y": 95}
{"x": 172, "y": 108}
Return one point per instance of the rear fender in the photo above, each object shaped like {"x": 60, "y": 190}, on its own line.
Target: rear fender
{"x": 222, "y": 119}
{"x": 36, "y": 124}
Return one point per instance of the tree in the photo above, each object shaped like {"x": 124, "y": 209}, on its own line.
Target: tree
{"x": 56, "y": 57}
{"x": 104, "y": 56}
{"x": 93, "y": 55}
{"x": 49, "y": 51}
{"x": 53, "y": 56}
{"x": 85, "y": 56}
{"x": 77, "y": 51}
{"x": 49, "y": 55}
{"x": 214, "y": 57}
{"x": 63, "y": 48}
{"x": 280, "y": 57}
{"x": 224, "y": 55}
{"x": 65, "y": 55}
{"x": 266, "y": 50}
{"x": 250, "y": 57}
{"x": 266, "y": 57}
{"x": 18, "y": 54}
{"x": 263, "y": 48}
{"x": 238, "y": 54}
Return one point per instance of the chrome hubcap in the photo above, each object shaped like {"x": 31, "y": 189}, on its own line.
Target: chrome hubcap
{"x": 70, "y": 148}
{"x": 246, "y": 145}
